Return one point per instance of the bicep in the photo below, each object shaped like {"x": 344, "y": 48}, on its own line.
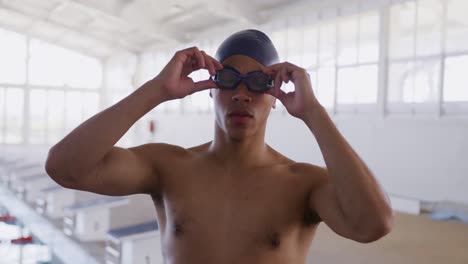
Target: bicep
{"x": 324, "y": 201}
{"x": 122, "y": 172}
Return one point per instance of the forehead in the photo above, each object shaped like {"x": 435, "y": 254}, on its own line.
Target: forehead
{"x": 243, "y": 64}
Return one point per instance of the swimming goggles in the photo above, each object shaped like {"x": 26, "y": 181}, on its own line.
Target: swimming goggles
{"x": 256, "y": 81}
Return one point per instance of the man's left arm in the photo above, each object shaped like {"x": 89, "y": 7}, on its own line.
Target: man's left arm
{"x": 348, "y": 198}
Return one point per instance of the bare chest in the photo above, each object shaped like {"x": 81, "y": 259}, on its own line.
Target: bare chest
{"x": 265, "y": 208}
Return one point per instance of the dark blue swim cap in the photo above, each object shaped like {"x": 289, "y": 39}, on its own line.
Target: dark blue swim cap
{"x": 251, "y": 43}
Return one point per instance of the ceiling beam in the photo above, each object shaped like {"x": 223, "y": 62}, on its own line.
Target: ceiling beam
{"x": 236, "y": 11}
{"x": 102, "y": 13}
{"x": 83, "y": 50}
{"x": 65, "y": 28}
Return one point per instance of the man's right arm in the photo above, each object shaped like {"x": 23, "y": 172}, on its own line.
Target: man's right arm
{"x": 86, "y": 159}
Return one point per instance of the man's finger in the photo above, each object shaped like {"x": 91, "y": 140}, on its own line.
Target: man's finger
{"x": 197, "y": 56}
{"x": 217, "y": 64}
{"x": 203, "y": 85}
{"x": 274, "y": 67}
{"x": 277, "y": 93}
{"x": 278, "y": 80}
{"x": 285, "y": 74}
{"x": 209, "y": 63}
{"x": 291, "y": 66}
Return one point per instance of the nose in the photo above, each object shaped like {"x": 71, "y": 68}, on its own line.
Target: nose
{"x": 241, "y": 94}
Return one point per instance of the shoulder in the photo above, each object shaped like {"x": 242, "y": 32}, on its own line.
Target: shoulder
{"x": 307, "y": 169}
{"x": 160, "y": 153}
{"x": 153, "y": 148}
{"x": 306, "y": 172}
{"x": 310, "y": 175}
{"x": 164, "y": 158}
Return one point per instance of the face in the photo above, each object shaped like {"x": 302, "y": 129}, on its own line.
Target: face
{"x": 241, "y": 113}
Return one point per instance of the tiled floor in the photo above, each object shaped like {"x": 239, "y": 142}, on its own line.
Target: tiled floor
{"x": 413, "y": 240}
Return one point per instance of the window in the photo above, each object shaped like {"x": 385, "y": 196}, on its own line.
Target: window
{"x": 48, "y": 116}
{"x": 414, "y": 82}
{"x": 55, "y": 115}
{"x": 325, "y": 86}
{"x": 38, "y": 116}
{"x": 294, "y": 41}
{"x": 369, "y": 37}
{"x": 199, "y": 101}
{"x": 73, "y": 110}
{"x": 327, "y": 45}
{"x": 54, "y": 72}
{"x": 13, "y": 58}
{"x": 456, "y": 79}
{"x": 147, "y": 66}
{"x": 90, "y": 105}
{"x": 429, "y": 27}
{"x": 2, "y": 112}
{"x": 358, "y": 54}
{"x": 455, "y": 90}
{"x": 56, "y": 66}
{"x": 119, "y": 74}
{"x": 416, "y": 31}
{"x": 78, "y": 107}
{"x": 402, "y": 30}
{"x": 358, "y": 85}
{"x": 348, "y": 40}
{"x": 84, "y": 72}
{"x": 309, "y": 57}
{"x": 319, "y": 58}
{"x": 415, "y": 55}
{"x": 457, "y": 26}
{"x": 426, "y": 81}
{"x": 279, "y": 37}
{"x": 400, "y": 84}
{"x": 14, "y": 102}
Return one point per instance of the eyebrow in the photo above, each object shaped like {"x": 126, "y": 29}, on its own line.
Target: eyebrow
{"x": 230, "y": 67}
{"x": 237, "y": 71}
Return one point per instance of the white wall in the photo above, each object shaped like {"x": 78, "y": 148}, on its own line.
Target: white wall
{"x": 419, "y": 158}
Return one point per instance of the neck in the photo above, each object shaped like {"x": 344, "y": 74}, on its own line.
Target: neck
{"x": 244, "y": 152}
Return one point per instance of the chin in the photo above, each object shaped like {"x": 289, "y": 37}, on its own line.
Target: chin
{"x": 238, "y": 135}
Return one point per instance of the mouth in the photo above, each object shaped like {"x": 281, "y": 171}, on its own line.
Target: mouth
{"x": 243, "y": 114}
{"x": 240, "y": 117}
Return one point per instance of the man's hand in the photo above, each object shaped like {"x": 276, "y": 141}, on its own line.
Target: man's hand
{"x": 173, "y": 81}
{"x": 299, "y": 102}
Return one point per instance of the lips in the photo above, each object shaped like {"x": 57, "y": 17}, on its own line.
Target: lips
{"x": 240, "y": 113}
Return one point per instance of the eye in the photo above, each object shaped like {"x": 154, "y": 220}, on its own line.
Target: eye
{"x": 259, "y": 79}
{"x": 227, "y": 77}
